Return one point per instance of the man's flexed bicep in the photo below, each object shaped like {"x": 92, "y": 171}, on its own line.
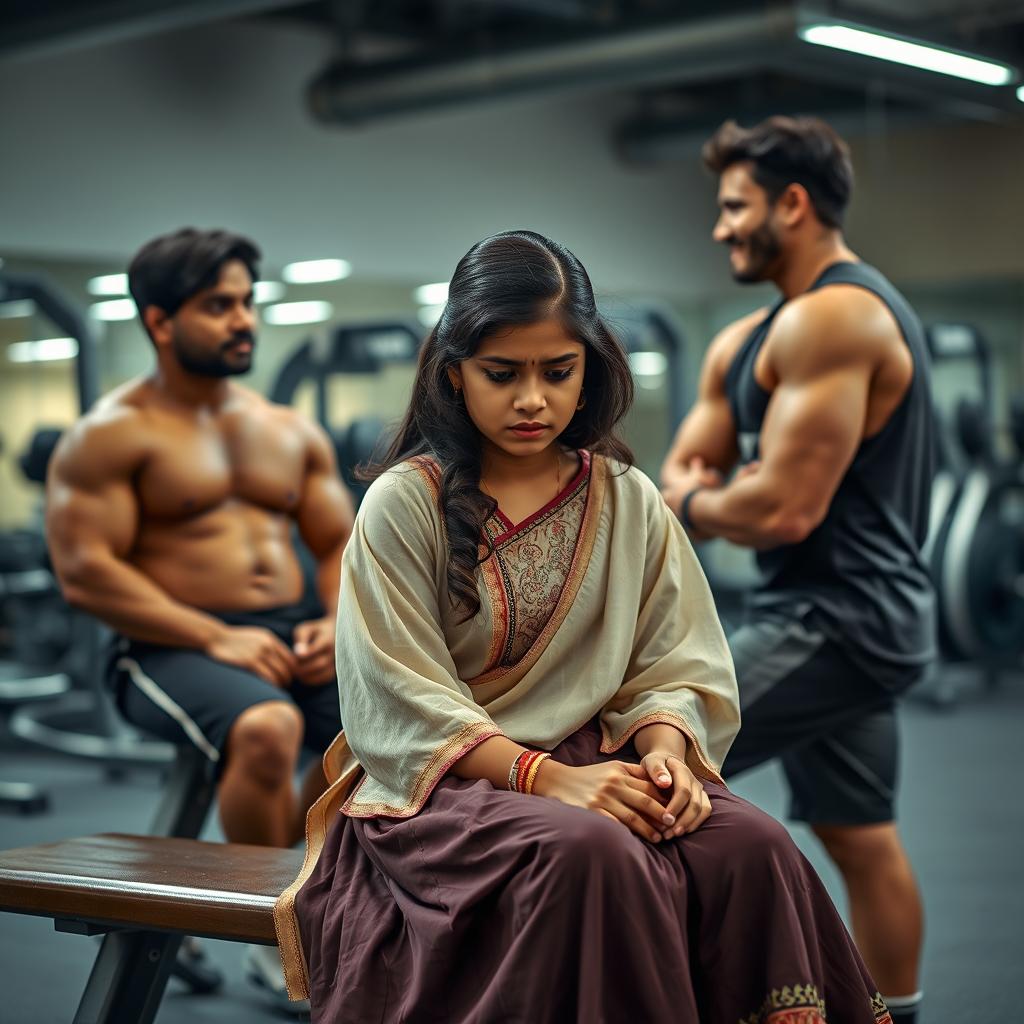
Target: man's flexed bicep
{"x": 815, "y": 419}
{"x": 708, "y": 432}
{"x": 821, "y": 361}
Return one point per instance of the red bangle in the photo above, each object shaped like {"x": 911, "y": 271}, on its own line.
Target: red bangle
{"x": 524, "y": 767}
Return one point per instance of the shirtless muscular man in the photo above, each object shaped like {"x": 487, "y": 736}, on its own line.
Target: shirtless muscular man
{"x": 169, "y": 517}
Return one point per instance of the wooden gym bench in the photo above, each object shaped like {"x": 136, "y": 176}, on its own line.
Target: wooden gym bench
{"x": 144, "y": 894}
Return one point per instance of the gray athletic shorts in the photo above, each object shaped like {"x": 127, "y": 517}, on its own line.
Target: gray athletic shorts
{"x": 828, "y": 719}
{"x": 184, "y": 696}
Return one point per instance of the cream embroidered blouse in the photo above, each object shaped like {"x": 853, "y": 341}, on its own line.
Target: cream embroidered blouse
{"x": 594, "y": 605}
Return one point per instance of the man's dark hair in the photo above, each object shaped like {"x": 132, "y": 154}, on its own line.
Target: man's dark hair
{"x": 169, "y": 270}
{"x": 789, "y": 150}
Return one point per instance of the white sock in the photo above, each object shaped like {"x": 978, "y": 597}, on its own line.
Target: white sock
{"x": 904, "y": 1008}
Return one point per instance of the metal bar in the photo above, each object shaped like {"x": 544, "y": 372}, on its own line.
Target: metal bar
{"x": 187, "y": 796}
{"x": 128, "y": 978}
{"x": 54, "y": 304}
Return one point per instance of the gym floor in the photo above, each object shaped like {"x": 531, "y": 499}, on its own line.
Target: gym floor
{"x": 963, "y": 822}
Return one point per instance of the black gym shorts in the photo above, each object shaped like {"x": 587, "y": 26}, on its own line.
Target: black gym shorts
{"x": 182, "y": 695}
{"x": 829, "y": 720}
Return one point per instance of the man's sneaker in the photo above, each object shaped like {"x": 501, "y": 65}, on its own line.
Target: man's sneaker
{"x": 263, "y": 969}
{"x": 192, "y": 968}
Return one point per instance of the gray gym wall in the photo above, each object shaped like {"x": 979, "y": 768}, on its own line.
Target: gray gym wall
{"x": 106, "y": 147}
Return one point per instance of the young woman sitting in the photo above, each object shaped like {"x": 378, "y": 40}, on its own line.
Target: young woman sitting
{"x": 537, "y": 697}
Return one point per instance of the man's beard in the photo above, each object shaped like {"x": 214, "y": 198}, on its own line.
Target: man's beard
{"x": 204, "y": 363}
{"x": 763, "y": 250}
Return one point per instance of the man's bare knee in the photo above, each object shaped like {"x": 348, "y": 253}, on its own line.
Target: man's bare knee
{"x": 264, "y": 742}
{"x": 861, "y": 848}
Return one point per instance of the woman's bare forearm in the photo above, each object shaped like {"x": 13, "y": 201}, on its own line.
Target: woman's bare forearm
{"x": 490, "y": 760}
{"x": 660, "y": 736}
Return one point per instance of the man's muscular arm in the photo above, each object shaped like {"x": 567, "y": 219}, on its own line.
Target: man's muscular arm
{"x": 823, "y": 356}
{"x": 92, "y": 517}
{"x": 325, "y": 514}
{"x": 324, "y": 517}
{"x": 708, "y": 432}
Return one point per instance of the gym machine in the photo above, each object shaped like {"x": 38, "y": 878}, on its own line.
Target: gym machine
{"x": 363, "y": 349}
{"x": 83, "y": 721}
{"x": 975, "y": 544}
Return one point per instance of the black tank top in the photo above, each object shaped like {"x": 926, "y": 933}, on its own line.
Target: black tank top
{"x": 861, "y": 569}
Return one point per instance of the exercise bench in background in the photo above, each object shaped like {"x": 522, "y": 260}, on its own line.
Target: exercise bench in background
{"x": 144, "y": 894}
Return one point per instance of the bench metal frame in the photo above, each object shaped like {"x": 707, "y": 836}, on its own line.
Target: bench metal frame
{"x": 131, "y": 970}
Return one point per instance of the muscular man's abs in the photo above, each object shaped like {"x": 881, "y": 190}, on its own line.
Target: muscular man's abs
{"x": 216, "y": 497}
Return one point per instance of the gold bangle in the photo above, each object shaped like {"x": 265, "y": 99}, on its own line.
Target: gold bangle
{"x": 531, "y": 776}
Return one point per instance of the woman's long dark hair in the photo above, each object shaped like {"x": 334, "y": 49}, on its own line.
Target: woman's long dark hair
{"x": 510, "y": 279}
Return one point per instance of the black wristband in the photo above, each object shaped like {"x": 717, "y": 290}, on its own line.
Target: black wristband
{"x": 684, "y": 509}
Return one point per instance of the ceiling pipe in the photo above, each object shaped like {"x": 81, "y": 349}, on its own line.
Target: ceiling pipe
{"x": 680, "y": 52}
{"x": 82, "y": 26}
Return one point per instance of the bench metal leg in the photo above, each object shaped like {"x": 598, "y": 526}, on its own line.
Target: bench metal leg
{"x": 188, "y": 794}
{"x": 128, "y": 979}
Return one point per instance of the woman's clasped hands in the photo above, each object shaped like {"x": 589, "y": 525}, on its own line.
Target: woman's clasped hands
{"x": 658, "y": 799}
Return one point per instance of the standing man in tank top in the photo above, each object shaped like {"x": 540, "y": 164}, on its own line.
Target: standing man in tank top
{"x": 823, "y": 403}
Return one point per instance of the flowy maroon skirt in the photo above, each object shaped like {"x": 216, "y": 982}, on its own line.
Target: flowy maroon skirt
{"x": 492, "y": 907}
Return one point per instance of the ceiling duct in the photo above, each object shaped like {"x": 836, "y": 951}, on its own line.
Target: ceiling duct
{"x": 61, "y": 27}
{"x": 699, "y": 49}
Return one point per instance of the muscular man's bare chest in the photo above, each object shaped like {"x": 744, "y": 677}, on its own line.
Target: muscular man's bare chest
{"x": 196, "y": 467}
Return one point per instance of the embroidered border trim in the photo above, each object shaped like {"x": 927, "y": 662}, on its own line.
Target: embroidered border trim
{"x": 318, "y": 819}
{"x": 796, "y": 1004}
{"x": 500, "y": 613}
{"x": 802, "y": 1004}
{"x": 441, "y": 760}
{"x": 880, "y": 1010}
{"x": 511, "y": 531}
{"x": 707, "y": 768}
{"x": 430, "y": 471}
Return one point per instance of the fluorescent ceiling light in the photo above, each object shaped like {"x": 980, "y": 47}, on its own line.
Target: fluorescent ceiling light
{"x": 17, "y": 308}
{"x": 108, "y": 284}
{"x": 903, "y": 51}
{"x": 432, "y": 294}
{"x": 286, "y": 313}
{"x": 46, "y": 350}
{"x": 648, "y": 364}
{"x": 1020, "y": 94}
{"x": 429, "y": 315}
{"x": 113, "y": 309}
{"x": 316, "y": 271}
{"x": 267, "y": 291}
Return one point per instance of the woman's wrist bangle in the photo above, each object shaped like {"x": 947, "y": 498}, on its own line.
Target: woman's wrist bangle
{"x": 513, "y": 772}
{"x": 531, "y": 776}
{"x": 684, "y": 509}
{"x": 523, "y": 772}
